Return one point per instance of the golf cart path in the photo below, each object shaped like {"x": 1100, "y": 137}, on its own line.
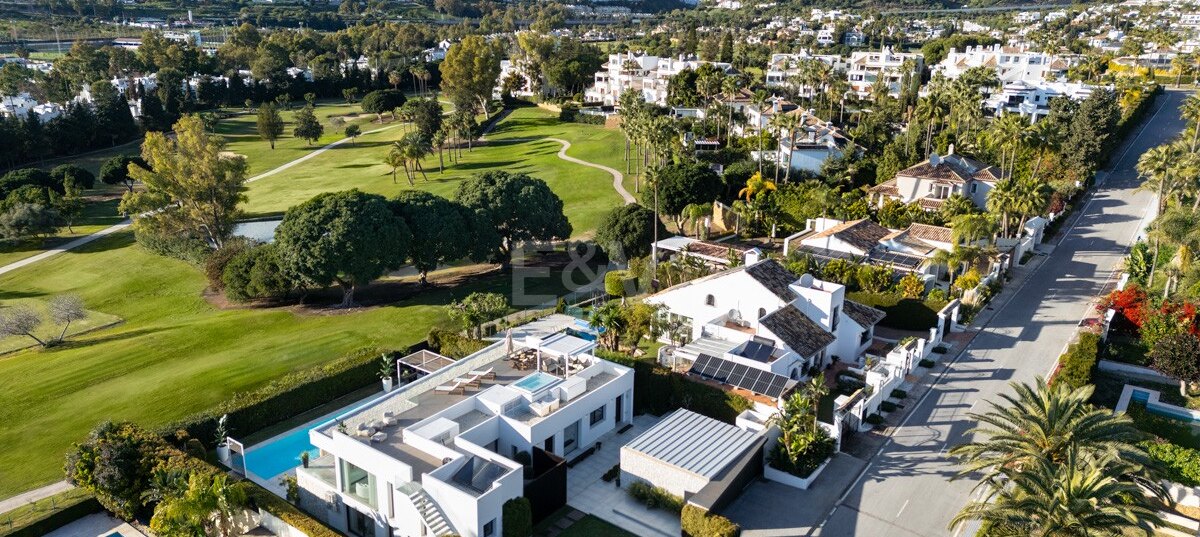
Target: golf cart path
{"x": 618, "y": 177}
{"x": 125, "y": 223}
{"x": 33, "y": 496}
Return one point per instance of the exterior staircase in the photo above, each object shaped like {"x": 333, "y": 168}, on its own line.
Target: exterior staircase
{"x": 430, "y": 514}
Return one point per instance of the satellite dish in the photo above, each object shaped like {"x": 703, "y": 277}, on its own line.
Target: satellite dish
{"x": 735, "y": 315}
{"x": 806, "y": 280}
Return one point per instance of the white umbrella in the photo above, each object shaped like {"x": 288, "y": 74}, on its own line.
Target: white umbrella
{"x": 508, "y": 343}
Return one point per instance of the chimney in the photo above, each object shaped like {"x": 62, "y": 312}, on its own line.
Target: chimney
{"x": 934, "y": 160}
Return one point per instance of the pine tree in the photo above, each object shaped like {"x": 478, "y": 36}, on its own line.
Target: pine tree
{"x": 307, "y": 126}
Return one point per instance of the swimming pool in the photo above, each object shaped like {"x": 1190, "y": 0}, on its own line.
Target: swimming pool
{"x": 281, "y": 453}
{"x": 535, "y": 382}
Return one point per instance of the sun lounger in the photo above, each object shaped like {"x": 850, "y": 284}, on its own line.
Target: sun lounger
{"x": 379, "y": 437}
{"x": 468, "y": 381}
{"x": 449, "y": 388}
{"x": 364, "y": 430}
{"x": 489, "y": 373}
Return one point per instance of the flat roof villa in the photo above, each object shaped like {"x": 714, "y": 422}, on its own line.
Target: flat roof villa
{"x": 441, "y": 455}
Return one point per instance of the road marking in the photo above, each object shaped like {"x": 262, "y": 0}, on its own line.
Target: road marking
{"x": 902, "y": 508}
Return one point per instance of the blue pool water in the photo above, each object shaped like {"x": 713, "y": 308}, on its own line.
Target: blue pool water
{"x": 535, "y": 382}
{"x": 114, "y": 534}
{"x": 280, "y": 454}
{"x": 1162, "y": 410}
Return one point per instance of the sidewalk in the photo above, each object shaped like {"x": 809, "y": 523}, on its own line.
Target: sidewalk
{"x": 34, "y": 495}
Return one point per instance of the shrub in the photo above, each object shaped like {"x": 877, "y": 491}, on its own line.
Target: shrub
{"x": 265, "y": 500}
{"x": 453, "y": 344}
{"x": 940, "y": 350}
{"x": 214, "y": 266}
{"x": 1182, "y": 464}
{"x": 887, "y": 406}
{"x": 696, "y": 522}
{"x": 115, "y": 463}
{"x": 611, "y": 473}
{"x": 518, "y": 518}
{"x": 818, "y": 449}
{"x": 927, "y": 363}
{"x": 874, "y": 419}
{"x": 658, "y": 390}
{"x": 899, "y": 394}
{"x": 1171, "y": 430}
{"x": 655, "y": 497}
{"x": 189, "y": 249}
{"x": 902, "y": 313}
{"x": 614, "y": 282}
{"x": 254, "y": 273}
{"x": 73, "y": 177}
{"x": 847, "y": 385}
{"x": 286, "y": 396}
{"x": 1076, "y": 365}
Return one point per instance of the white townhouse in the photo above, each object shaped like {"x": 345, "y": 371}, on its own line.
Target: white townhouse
{"x": 766, "y": 318}
{"x": 886, "y": 64}
{"x": 932, "y": 181}
{"x": 21, "y": 105}
{"x": 783, "y": 69}
{"x": 642, "y": 73}
{"x": 812, "y": 143}
{"x": 509, "y": 69}
{"x": 442, "y": 454}
{"x": 1011, "y": 64}
{"x": 1032, "y": 99}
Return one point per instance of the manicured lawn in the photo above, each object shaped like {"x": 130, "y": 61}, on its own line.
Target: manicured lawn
{"x": 96, "y": 216}
{"x": 516, "y": 145}
{"x": 588, "y": 526}
{"x": 48, "y": 330}
{"x": 241, "y": 133}
{"x": 175, "y": 354}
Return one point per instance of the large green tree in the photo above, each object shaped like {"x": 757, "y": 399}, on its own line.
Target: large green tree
{"x": 519, "y": 207}
{"x": 679, "y": 185}
{"x": 307, "y": 126}
{"x": 192, "y": 185}
{"x": 115, "y": 170}
{"x": 470, "y": 70}
{"x": 443, "y": 231}
{"x": 628, "y": 231}
{"x": 345, "y": 238}
{"x": 269, "y": 123}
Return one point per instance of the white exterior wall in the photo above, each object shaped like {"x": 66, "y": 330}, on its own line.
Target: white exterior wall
{"x": 830, "y": 242}
{"x": 736, "y": 291}
{"x": 637, "y": 466}
{"x": 580, "y": 410}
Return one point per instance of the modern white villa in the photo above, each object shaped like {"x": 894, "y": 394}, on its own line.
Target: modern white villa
{"x": 443, "y": 454}
{"x": 886, "y": 64}
{"x": 1032, "y": 99}
{"x": 768, "y": 319}
{"x": 642, "y": 73}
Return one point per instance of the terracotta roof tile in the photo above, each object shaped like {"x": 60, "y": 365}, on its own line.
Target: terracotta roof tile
{"x": 802, "y": 334}
{"x": 862, "y": 234}
{"x": 863, "y": 314}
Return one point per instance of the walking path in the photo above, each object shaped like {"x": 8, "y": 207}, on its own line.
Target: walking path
{"x": 34, "y": 495}
{"x": 618, "y": 177}
{"x": 269, "y": 173}
{"x": 64, "y": 247}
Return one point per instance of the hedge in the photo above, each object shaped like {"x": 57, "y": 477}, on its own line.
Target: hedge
{"x": 286, "y": 396}
{"x": 697, "y": 522}
{"x": 655, "y": 497}
{"x": 1075, "y": 366}
{"x": 36, "y": 519}
{"x": 901, "y": 313}
{"x": 517, "y": 517}
{"x": 263, "y": 499}
{"x": 1182, "y": 464}
{"x": 658, "y": 390}
{"x": 899, "y": 394}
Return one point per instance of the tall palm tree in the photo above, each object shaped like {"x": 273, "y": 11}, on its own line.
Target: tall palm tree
{"x": 1045, "y": 137}
{"x": 1156, "y": 166}
{"x": 1029, "y": 199}
{"x": 210, "y": 505}
{"x": 1047, "y": 422}
{"x": 396, "y": 158}
{"x": 1078, "y": 497}
{"x": 760, "y": 102}
{"x": 1009, "y": 134}
{"x": 789, "y": 124}
{"x": 1000, "y": 201}
{"x": 928, "y": 111}
{"x": 1190, "y": 110}
{"x": 968, "y": 228}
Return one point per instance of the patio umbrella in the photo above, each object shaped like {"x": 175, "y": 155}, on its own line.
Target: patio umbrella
{"x": 508, "y": 343}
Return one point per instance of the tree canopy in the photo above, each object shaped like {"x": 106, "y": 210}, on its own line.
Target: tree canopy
{"x": 443, "y": 230}
{"x": 346, "y": 238}
{"x": 628, "y": 231}
{"x": 517, "y": 206}
{"x": 470, "y": 70}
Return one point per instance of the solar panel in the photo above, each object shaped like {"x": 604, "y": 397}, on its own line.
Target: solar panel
{"x": 739, "y": 375}
{"x": 727, "y": 369}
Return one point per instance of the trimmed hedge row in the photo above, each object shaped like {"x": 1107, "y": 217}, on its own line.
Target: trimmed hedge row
{"x": 658, "y": 390}
{"x": 77, "y": 504}
{"x": 1182, "y": 464}
{"x": 1076, "y": 365}
{"x": 263, "y": 499}
{"x": 697, "y": 522}
{"x": 286, "y": 396}
{"x": 655, "y": 497}
{"x": 1126, "y": 124}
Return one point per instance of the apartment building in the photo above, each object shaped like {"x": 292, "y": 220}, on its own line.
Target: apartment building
{"x": 645, "y": 74}
{"x": 1032, "y": 99}
{"x": 443, "y": 454}
{"x": 785, "y": 69}
{"x": 1011, "y": 64}
{"x": 885, "y": 64}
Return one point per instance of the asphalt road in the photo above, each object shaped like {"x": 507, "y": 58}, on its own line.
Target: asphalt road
{"x": 905, "y": 490}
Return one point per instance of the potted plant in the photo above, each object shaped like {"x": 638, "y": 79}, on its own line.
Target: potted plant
{"x": 385, "y": 372}
{"x": 304, "y": 458}
{"x": 222, "y": 438}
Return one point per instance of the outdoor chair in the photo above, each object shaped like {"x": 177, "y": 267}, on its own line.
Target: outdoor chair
{"x": 449, "y": 388}
{"x": 489, "y": 373}
{"x": 379, "y": 437}
{"x": 468, "y": 381}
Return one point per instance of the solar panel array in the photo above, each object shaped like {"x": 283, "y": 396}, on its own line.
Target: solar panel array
{"x": 755, "y": 350}
{"x": 896, "y": 258}
{"x": 743, "y": 376}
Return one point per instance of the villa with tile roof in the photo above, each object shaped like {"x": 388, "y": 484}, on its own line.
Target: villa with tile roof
{"x": 767, "y": 319}
{"x": 930, "y": 182}
{"x": 906, "y": 250}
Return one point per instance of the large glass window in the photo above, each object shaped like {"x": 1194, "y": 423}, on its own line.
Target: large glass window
{"x": 597, "y": 415}
{"x": 359, "y": 484}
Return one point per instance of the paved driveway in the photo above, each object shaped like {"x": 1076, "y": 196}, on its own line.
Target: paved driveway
{"x": 769, "y": 509}
{"x": 587, "y": 492}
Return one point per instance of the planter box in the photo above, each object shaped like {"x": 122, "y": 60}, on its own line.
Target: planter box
{"x": 779, "y": 476}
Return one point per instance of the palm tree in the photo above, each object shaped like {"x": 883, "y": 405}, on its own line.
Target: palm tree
{"x": 396, "y": 158}
{"x": 1190, "y": 110}
{"x": 209, "y": 504}
{"x": 1043, "y": 421}
{"x": 1078, "y": 497}
{"x": 1000, "y": 201}
{"x": 415, "y": 148}
{"x": 755, "y": 186}
{"x": 1029, "y": 199}
{"x": 788, "y": 123}
{"x": 928, "y": 111}
{"x": 1156, "y": 166}
{"x": 1046, "y": 138}
{"x": 760, "y": 101}
{"x": 611, "y": 319}
{"x": 1008, "y": 133}
{"x": 968, "y": 228}
{"x": 730, "y": 90}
